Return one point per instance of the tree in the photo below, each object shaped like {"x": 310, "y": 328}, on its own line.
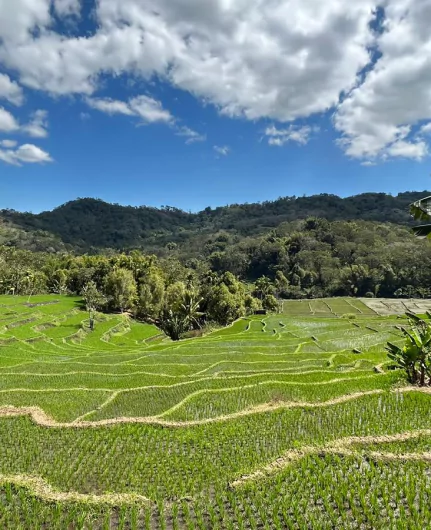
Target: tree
{"x": 174, "y": 296}
{"x": 251, "y": 304}
{"x": 58, "y": 282}
{"x": 281, "y": 283}
{"x": 93, "y": 299}
{"x": 224, "y": 306}
{"x": 151, "y": 296}
{"x": 263, "y": 287}
{"x": 120, "y": 289}
{"x": 415, "y": 356}
{"x": 270, "y": 303}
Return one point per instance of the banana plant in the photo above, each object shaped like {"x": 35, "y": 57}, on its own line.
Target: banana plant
{"x": 415, "y": 356}
{"x": 421, "y": 211}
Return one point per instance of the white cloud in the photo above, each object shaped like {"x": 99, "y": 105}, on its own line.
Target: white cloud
{"x": 416, "y": 150}
{"x": 150, "y": 110}
{"x": 7, "y": 122}
{"x": 144, "y": 107}
{"x": 191, "y": 135}
{"x": 276, "y": 59}
{"x": 425, "y": 129}
{"x": 10, "y": 90}
{"x": 8, "y": 143}
{"x": 25, "y": 154}
{"x": 37, "y": 127}
{"x": 253, "y": 58}
{"x": 19, "y": 17}
{"x": 222, "y": 150}
{"x": 110, "y": 106}
{"x": 32, "y": 154}
{"x": 299, "y": 135}
{"x": 376, "y": 118}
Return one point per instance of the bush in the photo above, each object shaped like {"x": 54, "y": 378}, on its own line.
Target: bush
{"x": 369, "y": 295}
{"x": 270, "y": 303}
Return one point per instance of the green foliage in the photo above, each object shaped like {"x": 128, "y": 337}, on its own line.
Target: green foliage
{"x": 88, "y": 223}
{"x": 270, "y": 303}
{"x": 120, "y": 289}
{"x": 285, "y": 246}
{"x": 415, "y": 356}
{"x": 93, "y": 298}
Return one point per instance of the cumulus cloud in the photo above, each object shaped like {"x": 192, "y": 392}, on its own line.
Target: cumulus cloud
{"x": 377, "y": 116}
{"x": 425, "y": 129}
{"x": 8, "y": 123}
{"x": 299, "y": 135}
{"x": 144, "y": 107}
{"x": 24, "y": 154}
{"x": 222, "y": 150}
{"x": 276, "y": 59}
{"x": 253, "y": 58}
{"x": 10, "y": 90}
{"x": 416, "y": 150}
{"x": 38, "y": 125}
{"x": 191, "y": 135}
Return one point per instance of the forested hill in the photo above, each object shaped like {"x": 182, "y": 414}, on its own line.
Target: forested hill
{"x": 86, "y": 224}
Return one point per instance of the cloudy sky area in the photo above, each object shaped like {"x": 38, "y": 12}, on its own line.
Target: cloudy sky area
{"x": 206, "y": 102}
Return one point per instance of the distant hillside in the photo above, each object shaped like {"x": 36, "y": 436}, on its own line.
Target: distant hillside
{"x": 91, "y": 224}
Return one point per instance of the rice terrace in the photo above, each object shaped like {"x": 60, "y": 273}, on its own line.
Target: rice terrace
{"x": 284, "y": 421}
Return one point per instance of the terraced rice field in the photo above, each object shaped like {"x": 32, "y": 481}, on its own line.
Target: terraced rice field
{"x": 290, "y": 421}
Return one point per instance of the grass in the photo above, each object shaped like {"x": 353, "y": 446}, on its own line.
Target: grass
{"x": 248, "y": 427}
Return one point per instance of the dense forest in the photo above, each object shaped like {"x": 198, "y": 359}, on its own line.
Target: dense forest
{"x": 88, "y": 225}
{"x": 225, "y": 270}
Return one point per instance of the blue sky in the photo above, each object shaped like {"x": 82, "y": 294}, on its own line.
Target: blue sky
{"x": 191, "y": 104}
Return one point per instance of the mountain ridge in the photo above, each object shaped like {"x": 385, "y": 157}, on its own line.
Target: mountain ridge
{"x": 86, "y": 224}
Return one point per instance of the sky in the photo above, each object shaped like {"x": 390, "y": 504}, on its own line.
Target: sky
{"x": 196, "y": 103}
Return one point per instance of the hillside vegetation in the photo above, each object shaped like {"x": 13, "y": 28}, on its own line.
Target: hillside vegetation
{"x": 284, "y": 421}
{"x": 87, "y": 224}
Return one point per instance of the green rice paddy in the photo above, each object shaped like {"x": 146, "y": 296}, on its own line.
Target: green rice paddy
{"x": 288, "y": 421}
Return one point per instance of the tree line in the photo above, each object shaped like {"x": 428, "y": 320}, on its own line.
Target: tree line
{"x": 226, "y": 276}
{"x": 179, "y": 299}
